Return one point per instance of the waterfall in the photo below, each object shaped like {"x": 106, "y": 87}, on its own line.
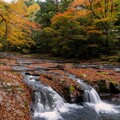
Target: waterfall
{"x": 45, "y": 98}
{"x": 91, "y": 96}
{"x": 92, "y": 99}
{"x": 47, "y": 104}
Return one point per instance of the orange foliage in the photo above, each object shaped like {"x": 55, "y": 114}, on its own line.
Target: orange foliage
{"x": 67, "y": 14}
{"x": 99, "y": 8}
{"x": 16, "y": 27}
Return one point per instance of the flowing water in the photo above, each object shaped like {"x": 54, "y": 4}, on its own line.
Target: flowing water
{"x": 49, "y": 105}
{"x": 92, "y": 98}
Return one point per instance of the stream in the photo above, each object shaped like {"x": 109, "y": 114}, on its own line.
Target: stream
{"x": 49, "y": 105}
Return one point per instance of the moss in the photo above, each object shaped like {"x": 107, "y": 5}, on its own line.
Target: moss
{"x": 102, "y": 73}
{"x": 26, "y": 104}
{"x": 82, "y": 75}
{"x": 71, "y": 88}
{"x": 112, "y": 81}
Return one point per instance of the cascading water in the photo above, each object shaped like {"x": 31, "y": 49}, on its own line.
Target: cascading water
{"x": 45, "y": 99}
{"x": 92, "y": 98}
{"x": 47, "y": 104}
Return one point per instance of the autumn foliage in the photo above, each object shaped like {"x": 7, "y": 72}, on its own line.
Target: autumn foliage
{"x": 15, "y": 25}
{"x": 87, "y": 28}
{"x": 69, "y": 28}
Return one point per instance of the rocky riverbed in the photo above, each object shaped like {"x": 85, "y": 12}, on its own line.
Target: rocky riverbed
{"x": 15, "y": 95}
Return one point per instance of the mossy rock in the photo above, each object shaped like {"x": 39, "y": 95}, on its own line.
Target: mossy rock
{"x": 114, "y": 88}
{"x": 102, "y": 86}
{"x": 71, "y": 88}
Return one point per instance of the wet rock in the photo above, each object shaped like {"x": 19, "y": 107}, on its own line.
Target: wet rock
{"x": 27, "y": 74}
{"x": 105, "y": 96}
{"x": 114, "y": 88}
{"x": 60, "y": 66}
{"x": 95, "y": 86}
{"x": 115, "y": 98}
{"x": 102, "y": 86}
{"x": 76, "y": 94}
{"x": 32, "y": 73}
{"x": 99, "y": 71}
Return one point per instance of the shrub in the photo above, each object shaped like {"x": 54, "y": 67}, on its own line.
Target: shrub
{"x": 1, "y": 47}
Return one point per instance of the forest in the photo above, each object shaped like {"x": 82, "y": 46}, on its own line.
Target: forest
{"x": 59, "y": 59}
{"x": 81, "y": 29}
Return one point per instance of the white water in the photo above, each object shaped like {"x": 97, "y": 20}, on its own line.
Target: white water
{"x": 92, "y": 98}
{"x": 47, "y": 104}
{"x": 102, "y": 107}
{"x": 56, "y": 114}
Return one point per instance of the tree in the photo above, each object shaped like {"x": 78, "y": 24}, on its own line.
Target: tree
{"x": 84, "y": 29}
{"x": 103, "y": 13}
{"x": 69, "y": 40}
{"x": 49, "y": 8}
{"x": 16, "y": 28}
{"x": 3, "y": 21}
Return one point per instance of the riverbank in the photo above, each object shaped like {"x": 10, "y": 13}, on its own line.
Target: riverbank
{"x": 15, "y": 97}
